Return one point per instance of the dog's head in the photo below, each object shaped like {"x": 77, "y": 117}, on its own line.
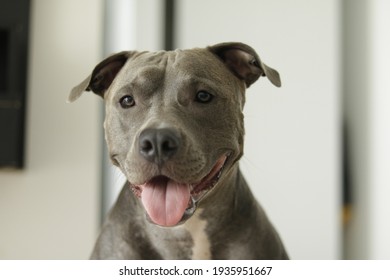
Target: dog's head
{"x": 174, "y": 122}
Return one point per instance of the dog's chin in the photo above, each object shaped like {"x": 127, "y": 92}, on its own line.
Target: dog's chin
{"x": 169, "y": 203}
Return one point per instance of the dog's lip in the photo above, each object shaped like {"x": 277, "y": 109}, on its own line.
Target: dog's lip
{"x": 211, "y": 178}
{"x": 197, "y": 188}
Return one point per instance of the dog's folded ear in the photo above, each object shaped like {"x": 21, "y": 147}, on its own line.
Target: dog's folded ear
{"x": 244, "y": 62}
{"x": 102, "y": 76}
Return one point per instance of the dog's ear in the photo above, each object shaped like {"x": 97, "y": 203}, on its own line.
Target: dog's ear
{"x": 102, "y": 76}
{"x": 244, "y": 62}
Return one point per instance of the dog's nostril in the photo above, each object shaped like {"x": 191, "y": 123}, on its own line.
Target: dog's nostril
{"x": 146, "y": 146}
{"x": 169, "y": 145}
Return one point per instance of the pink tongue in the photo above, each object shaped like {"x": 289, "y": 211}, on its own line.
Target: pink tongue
{"x": 165, "y": 200}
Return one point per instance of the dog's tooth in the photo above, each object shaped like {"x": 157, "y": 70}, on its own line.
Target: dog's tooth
{"x": 191, "y": 209}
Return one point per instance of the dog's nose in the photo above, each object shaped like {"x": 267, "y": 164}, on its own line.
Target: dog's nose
{"x": 158, "y": 145}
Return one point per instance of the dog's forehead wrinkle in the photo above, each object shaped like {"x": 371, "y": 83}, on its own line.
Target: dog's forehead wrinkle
{"x": 148, "y": 76}
{"x": 154, "y": 73}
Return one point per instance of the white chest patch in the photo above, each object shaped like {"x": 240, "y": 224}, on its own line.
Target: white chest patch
{"x": 197, "y": 228}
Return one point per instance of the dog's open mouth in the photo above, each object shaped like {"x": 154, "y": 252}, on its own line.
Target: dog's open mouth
{"x": 168, "y": 203}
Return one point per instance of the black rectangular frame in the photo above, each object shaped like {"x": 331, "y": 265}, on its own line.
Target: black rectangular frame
{"x": 14, "y": 33}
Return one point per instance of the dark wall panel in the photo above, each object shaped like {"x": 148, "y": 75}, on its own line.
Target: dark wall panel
{"x": 14, "y": 26}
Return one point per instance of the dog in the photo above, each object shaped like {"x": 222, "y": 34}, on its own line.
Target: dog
{"x": 174, "y": 127}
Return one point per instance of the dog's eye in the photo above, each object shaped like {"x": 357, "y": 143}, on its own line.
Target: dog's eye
{"x": 127, "y": 101}
{"x": 203, "y": 97}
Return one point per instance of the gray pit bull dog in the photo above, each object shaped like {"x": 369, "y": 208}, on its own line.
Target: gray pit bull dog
{"x": 174, "y": 127}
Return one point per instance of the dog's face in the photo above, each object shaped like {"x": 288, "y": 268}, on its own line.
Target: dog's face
{"x": 174, "y": 122}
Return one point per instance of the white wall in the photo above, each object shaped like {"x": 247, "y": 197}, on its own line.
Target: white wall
{"x": 380, "y": 129}
{"x": 49, "y": 210}
{"x": 292, "y": 147}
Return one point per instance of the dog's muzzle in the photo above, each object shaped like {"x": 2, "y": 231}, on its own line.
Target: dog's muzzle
{"x": 168, "y": 202}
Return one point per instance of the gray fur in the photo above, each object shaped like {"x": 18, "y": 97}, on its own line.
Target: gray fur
{"x": 163, "y": 85}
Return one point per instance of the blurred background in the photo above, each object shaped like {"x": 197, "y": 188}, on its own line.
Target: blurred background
{"x": 316, "y": 150}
